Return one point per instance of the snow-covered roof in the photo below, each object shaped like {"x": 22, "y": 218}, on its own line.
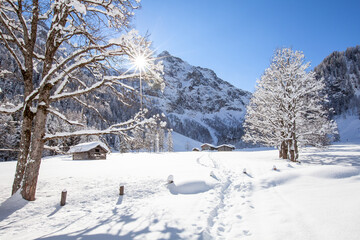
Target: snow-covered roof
{"x": 208, "y": 144}
{"x": 227, "y": 145}
{"x": 84, "y": 147}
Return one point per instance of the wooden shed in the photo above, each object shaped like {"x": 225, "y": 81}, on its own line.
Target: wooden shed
{"x": 207, "y": 146}
{"x": 89, "y": 151}
{"x": 226, "y": 147}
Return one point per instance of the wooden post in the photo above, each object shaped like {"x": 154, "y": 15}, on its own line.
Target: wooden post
{"x": 121, "y": 190}
{"x": 63, "y": 197}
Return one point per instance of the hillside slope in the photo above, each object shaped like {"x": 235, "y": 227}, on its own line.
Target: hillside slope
{"x": 198, "y": 104}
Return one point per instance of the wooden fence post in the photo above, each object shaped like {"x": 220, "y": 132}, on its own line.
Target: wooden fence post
{"x": 63, "y": 197}
{"x": 121, "y": 190}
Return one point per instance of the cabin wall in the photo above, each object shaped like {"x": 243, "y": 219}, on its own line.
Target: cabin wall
{"x": 97, "y": 153}
{"x": 81, "y": 156}
{"x": 223, "y": 148}
{"x": 93, "y": 154}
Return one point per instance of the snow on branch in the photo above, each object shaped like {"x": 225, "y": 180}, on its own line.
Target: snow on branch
{"x": 119, "y": 95}
{"x": 55, "y": 149}
{"x": 91, "y": 88}
{"x": 120, "y": 128}
{"x": 109, "y": 130}
{"x": 63, "y": 117}
{"x": 11, "y": 110}
{"x": 7, "y": 45}
{"x": 90, "y": 107}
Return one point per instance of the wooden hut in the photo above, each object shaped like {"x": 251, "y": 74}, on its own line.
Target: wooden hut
{"x": 207, "y": 146}
{"x": 196, "y": 150}
{"x": 89, "y": 151}
{"x": 226, "y": 147}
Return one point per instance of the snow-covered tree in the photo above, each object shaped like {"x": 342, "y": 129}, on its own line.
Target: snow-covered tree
{"x": 57, "y": 41}
{"x": 170, "y": 143}
{"x": 286, "y": 109}
{"x": 161, "y": 133}
{"x": 154, "y": 132}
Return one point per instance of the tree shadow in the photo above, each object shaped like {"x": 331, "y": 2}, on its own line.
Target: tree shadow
{"x": 340, "y": 154}
{"x": 141, "y": 227}
{"x": 85, "y": 234}
{"x": 11, "y": 205}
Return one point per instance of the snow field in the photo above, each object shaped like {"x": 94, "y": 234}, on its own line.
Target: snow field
{"x": 211, "y": 197}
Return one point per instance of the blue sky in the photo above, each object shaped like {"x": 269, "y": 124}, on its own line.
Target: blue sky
{"x": 236, "y": 38}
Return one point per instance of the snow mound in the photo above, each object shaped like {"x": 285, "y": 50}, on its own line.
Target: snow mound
{"x": 280, "y": 179}
{"x": 193, "y": 187}
{"x": 335, "y": 172}
{"x": 324, "y": 172}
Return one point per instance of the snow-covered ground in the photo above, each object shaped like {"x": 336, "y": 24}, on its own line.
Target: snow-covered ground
{"x": 211, "y": 197}
{"x": 349, "y": 128}
{"x": 183, "y": 143}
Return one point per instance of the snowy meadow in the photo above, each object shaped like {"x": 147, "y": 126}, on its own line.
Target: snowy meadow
{"x": 211, "y": 196}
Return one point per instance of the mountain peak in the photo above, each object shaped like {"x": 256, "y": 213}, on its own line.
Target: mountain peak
{"x": 164, "y": 54}
{"x": 199, "y": 104}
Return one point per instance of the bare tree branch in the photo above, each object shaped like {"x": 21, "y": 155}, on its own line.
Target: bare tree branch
{"x": 63, "y": 117}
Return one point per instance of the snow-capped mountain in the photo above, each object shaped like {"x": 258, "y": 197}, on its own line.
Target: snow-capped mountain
{"x": 341, "y": 72}
{"x": 198, "y": 104}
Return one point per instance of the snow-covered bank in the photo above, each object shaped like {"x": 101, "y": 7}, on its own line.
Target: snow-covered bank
{"x": 210, "y": 198}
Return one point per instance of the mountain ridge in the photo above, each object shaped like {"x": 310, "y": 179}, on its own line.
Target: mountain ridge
{"x": 196, "y": 98}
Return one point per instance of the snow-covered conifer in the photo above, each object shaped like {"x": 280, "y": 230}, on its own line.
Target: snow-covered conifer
{"x": 170, "y": 143}
{"x": 286, "y": 109}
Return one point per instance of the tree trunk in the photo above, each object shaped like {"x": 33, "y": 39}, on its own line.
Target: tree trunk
{"x": 284, "y": 150}
{"x": 292, "y": 155}
{"x": 28, "y": 188}
{"x": 24, "y": 149}
{"x": 292, "y": 150}
{"x": 26, "y": 128}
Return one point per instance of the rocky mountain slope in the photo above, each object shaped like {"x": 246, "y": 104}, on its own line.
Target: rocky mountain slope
{"x": 341, "y": 72}
{"x": 198, "y": 104}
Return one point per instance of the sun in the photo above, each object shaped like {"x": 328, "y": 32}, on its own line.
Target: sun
{"x": 140, "y": 62}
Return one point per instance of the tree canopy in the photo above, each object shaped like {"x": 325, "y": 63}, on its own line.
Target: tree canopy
{"x": 286, "y": 109}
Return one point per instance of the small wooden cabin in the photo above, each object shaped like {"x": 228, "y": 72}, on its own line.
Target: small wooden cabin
{"x": 225, "y": 147}
{"x": 89, "y": 151}
{"x": 196, "y": 150}
{"x": 207, "y": 146}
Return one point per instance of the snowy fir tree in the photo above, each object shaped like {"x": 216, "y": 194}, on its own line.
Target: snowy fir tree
{"x": 286, "y": 109}
{"x": 154, "y": 139}
{"x": 170, "y": 143}
{"x": 53, "y": 43}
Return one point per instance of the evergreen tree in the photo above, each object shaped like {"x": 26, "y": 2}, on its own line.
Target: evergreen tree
{"x": 170, "y": 143}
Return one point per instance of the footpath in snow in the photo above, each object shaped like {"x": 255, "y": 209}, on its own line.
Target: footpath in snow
{"x": 210, "y": 198}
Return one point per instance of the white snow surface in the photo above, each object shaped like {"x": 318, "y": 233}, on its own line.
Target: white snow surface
{"x": 349, "y": 128}
{"x": 183, "y": 143}
{"x": 210, "y": 198}
{"x": 84, "y": 147}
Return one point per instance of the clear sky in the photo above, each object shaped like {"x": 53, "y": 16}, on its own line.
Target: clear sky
{"x": 236, "y": 38}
